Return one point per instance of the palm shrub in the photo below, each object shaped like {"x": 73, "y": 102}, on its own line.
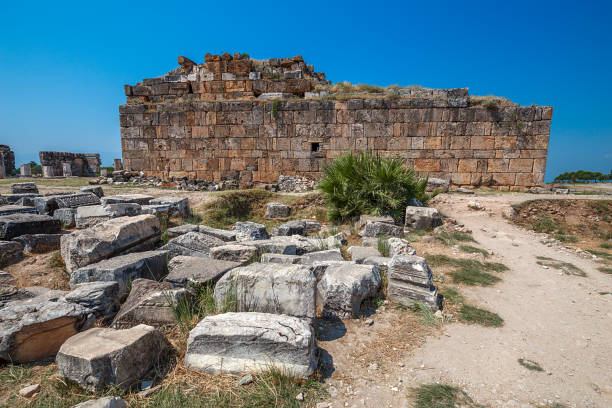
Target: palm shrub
{"x": 356, "y": 184}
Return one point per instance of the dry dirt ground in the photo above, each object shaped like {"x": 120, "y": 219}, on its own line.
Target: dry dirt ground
{"x": 562, "y": 322}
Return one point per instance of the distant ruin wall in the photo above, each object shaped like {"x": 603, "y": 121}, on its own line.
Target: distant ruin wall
{"x": 439, "y": 132}
{"x": 80, "y": 164}
{"x": 7, "y": 161}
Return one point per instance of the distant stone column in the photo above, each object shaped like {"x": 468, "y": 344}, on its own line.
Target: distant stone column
{"x": 2, "y": 169}
{"x": 67, "y": 169}
{"x": 47, "y": 171}
{"x": 26, "y": 170}
{"x": 117, "y": 164}
{"x": 104, "y": 172}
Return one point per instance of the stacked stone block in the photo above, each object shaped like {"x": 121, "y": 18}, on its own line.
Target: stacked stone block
{"x": 57, "y": 164}
{"x": 205, "y": 136}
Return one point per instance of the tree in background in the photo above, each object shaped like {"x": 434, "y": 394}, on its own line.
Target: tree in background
{"x": 582, "y": 176}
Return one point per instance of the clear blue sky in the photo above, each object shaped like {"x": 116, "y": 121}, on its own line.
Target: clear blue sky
{"x": 63, "y": 64}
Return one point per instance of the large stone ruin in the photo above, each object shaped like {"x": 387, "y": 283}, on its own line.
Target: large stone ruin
{"x": 7, "y": 161}
{"x": 58, "y": 164}
{"x": 256, "y": 120}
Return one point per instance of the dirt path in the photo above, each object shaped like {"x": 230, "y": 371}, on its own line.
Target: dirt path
{"x": 559, "y": 321}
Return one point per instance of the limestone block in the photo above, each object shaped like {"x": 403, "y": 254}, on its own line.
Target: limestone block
{"x": 192, "y": 244}
{"x": 343, "y": 287}
{"x": 422, "y": 217}
{"x": 179, "y": 207}
{"x": 101, "y": 298}
{"x": 399, "y": 246}
{"x": 14, "y": 225}
{"x": 377, "y": 229}
{"x": 217, "y": 344}
{"x": 410, "y": 279}
{"x": 359, "y": 253}
{"x": 248, "y": 230}
{"x": 319, "y": 256}
{"x": 24, "y": 188}
{"x": 268, "y": 288}
{"x": 234, "y": 252}
{"x": 66, "y": 217}
{"x": 187, "y": 271}
{"x": 16, "y": 209}
{"x": 123, "y": 269}
{"x": 89, "y": 216}
{"x": 104, "y": 402}
{"x": 274, "y": 246}
{"x": 281, "y": 259}
{"x": 97, "y": 190}
{"x": 364, "y": 219}
{"x": 277, "y": 210}
{"x": 117, "y": 236}
{"x": 99, "y": 357}
{"x": 11, "y": 252}
{"x": 223, "y": 235}
{"x": 141, "y": 199}
{"x": 48, "y": 204}
{"x": 39, "y": 243}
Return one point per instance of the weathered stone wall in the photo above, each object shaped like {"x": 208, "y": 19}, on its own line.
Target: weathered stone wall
{"x": 439, "y": 132}
{"x": 81, "y": 164}
{"x": 7, "y": 160}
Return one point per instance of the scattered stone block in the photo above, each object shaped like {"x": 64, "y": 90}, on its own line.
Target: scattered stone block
{"x": 422, "y": 217}
{"x": 181, "y": 230}
{"x": 377, "y": 229}
{"x": 97, "y": 190}
{"x": 141, "y": 199}
{"x": 234, "y": 253}
{"x": 192, "y": 244}
{"x": 66, "y": 216}
{"x": 20, "y": 198}
{"x": 223, "y": 235}
{"x": 124, "y": 269}
{"x": 281, "y": 259}
{"x": 399, "y": 246}
{"x": 273, "y": 246}
{"x": 343, "y": 288}
{"x": 186, "y": 271}
{"x": 30, "y": 390}
{"x": 364, "y": 219}
{"x": 39, "y": 243}
{"x": 16, "y": 209}
{"x": 410, "y": 280}
{"x": 437, "y": 184}
{"x": 250, "y": 231}
{"x": 149, "y": 302}
{"x": 318, "y": 268}
{"x": 102, "y": 298}
{"x": 268, "y": 288}
{"x": 35, "y": 328}
{"x": 277, "y": 210}
{"x": 89, "y": 216}
{"x": 8, "y": 285}
{"x": 217, "y": 344}
{"x": 319, "y": 256}
{"x": 104, "y": 402}
{"x": 49, "y": 204}
{"x": 359, "y": 253}
{"x": 178, "y": 206}
{"x": 117, "y": 236}
{"x": 24, "y": 188}
{"x": 15, "y": 225}
{"x": 379, "y": 261}
{"x": 99, "y": 357}
{"x": 10, "y": 252}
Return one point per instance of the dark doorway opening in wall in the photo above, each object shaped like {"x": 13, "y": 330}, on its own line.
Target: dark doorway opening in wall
{"x": 315, "y": 147}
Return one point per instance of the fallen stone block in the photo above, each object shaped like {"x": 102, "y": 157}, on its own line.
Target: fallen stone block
{"x": 29, "y": 391}
{"x": 127, "y": 198}
{"x": 35, "y": 328}
{"x": 16, "y": 209}
{"x": 104, "y": 402}
{"x": 268, "y": 288}
{"x": 273, "y": 246}
{"x": 410, "y": 279}
{"x": 89, "y": 216}
{"x": 281, "y": 259}
{"x": 123, "y": 269}
{"x": 297, "y": 227}
{"x": 181, "y": 230}
{"x": 318, "y": 268}
{"x": 49, "y": 204}
{"x": 437, "y": 184}
{"x": 277, "y": 210}
{"x": 97, "y": 190}
{"x": 250, "y": 231}
{"x": 359, "y": 253}
{"x": 422, "y": 218}
{"x": 19, "y": 198}
{"x": 187, "y": 271}
{"x": 66, "y": 217}
{"x": 24, "y": 188}
{"x": 377, "y": 229}
{"x": 343, "y": 288}
{"x": 8, "y": 286}
{"x": 234, "y": 253}
{"x": 115, "y": 237}
{"x": 161, "y": 211}
{"x": 399, "y": 246}
{"x": 10, "y": 252}
{"x": 39, "y": 243}
{"x": 149, "y": 302}
{"x": 240, "y": 343}
{"x": 223, "y": 235}
{"x": 318, "y": 256}
{"x": 192, "y": 244}
{"x": 364, "y": 219}
{"x": 101, "y": 298}
{"x": 99, "y": 357}
{"x": 15, "y": 225}
{"x": 379, "y": 261}
{"x": 178, "y": 206}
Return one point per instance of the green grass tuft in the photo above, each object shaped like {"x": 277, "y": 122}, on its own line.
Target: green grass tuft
{"x": 530, "y": 364}
{"x": 233, "y": 206}
{"x": 473, "y": 250}
{"x": 383, "y": 246}
{"x": 442, "y": 396}
{"x": 605, "y": 269}
{"x": 468, "y": 271}
{"x": 453, "y": 238}
{"x": 565, "y": 267}
{"x": 426, "y": 315}
{"x": 471, "y": 314}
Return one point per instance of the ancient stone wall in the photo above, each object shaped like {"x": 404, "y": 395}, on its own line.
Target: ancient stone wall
{"x": 57, "y": 164}
{"x": 214, "y": 132}
{"x": 7, "y": 161}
